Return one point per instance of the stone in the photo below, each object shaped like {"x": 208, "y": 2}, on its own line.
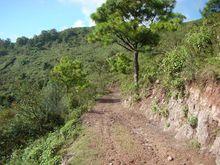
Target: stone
{"x": 170, "y": 158}
{"x": 215, "y": 149}
{"x": 216, "y": 113}
{"x": 202, "y": 130}
{"x": 184, "y": 133}
{"x": 175, "y": 114}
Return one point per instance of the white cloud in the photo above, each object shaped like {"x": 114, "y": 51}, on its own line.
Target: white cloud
{"x": 87, "y": 7}
{"x": 79, "y": 23}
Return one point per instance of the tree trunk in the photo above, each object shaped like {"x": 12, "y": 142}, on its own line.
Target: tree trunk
{"x": 136, "y": 68}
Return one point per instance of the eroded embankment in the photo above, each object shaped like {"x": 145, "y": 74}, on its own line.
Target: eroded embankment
{"x": 193, "y": 119}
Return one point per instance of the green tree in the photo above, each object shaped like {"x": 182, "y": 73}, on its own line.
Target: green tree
{"x": 21, "y": 41}
{"x": 212, "y": 6}
{"x": 70, "y": 73}
{"x": 133, "y": 24}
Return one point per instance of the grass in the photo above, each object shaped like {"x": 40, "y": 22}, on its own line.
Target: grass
{"x": 83, "y": 150}
{"x": 123, "y": 138}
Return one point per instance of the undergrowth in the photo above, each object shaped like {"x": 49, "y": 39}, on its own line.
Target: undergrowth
{"x": 46, "y": 149}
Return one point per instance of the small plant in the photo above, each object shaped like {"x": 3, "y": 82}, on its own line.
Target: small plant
{"x": 167, "y": 125}
{"x": 155, "y": 108}
{"x": 195, "y": 144}
{"x": 136, "y": 98}
{"x": 162, "y": 111}
{"x": 193, "y": 121}
{"x": 185, "y": 111}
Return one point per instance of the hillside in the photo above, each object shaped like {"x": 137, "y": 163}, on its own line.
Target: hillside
{"x": 40, "y": 111}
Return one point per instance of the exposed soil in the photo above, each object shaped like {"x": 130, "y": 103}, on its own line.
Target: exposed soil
{"x": 121, "y": 136}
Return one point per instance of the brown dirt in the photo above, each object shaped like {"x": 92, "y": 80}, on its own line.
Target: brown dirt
{"x": 121, "y": 136}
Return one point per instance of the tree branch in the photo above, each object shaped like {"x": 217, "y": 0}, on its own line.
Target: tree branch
{"x": 124, "y": 46}
{"x": 124, "y": 41}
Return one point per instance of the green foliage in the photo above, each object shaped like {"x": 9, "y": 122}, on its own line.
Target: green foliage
{"x": 199, "y": 39}
{"x": 160, "y": 110}
{"x": 150, "y": 71}
{"x": 154, "y": 107}
{"x": 212, "y": 6}
{"x": 132, "y": 24}
{"x": 193, "y": 121}
{"x": 124, "y": 22}
{"x": 195, "y": 144}
{"x": 186, "y": 111}
{"x": 120, "y": 63}
{"x": 46, "y": 150}
{"x": 127, "y": 86}
{"x": 29, "y": 112}
{"x": 70, "y": 73}
{"x": 35, "y": 116}
{"x": 174, "y": 65}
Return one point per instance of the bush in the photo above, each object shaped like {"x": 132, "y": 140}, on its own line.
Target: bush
{"x": 150, "y": 70}
{"x": 193, "y": 121}
{"x": 175, "y": 65}
{"x": 185, "y": 111}
{"x": 195, "y": 144}
{"x": 34, "y": 117}
{"x": 120, "y": 64}
{"x": 46, "y": 150}
{"x": 199, "y": 40}
{"x": 162, "y": 111}
{"x": 71, "y": 74}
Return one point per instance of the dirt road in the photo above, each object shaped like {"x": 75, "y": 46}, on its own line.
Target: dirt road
{"x": 114, "y": 135}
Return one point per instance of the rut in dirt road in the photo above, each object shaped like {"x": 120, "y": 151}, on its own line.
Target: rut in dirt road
{"x": 114, "y": 135}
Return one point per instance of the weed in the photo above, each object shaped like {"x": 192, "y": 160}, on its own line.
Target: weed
{"x": 167, "y": 125}
{"x": 195, "y": 144}
{"x": 185, "y": 111}
{"x": 193, "y": 121}
{"x": 155, "y": 108}
{"x": 162, "y": 111}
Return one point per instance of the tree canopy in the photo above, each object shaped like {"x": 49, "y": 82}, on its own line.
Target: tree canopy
{"x": 133, "y": 24}
{"x": 70, "y": 73}
{"x": 212, "y": 6}
{"x": 130, "y": 23}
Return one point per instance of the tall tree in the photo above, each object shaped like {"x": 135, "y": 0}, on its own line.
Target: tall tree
{"x": 212, "y": 6}
{"x": 21, "y": 41}
{"x": 133, "y": 24}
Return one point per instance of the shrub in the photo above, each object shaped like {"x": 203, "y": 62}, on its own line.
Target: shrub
{"x": 175, "y": 65}
{"x": 36, "y": 114}
{"x": 150, "y": 70}
{"x": 70, "y": 73}
{"x": 120, "y": 63}
{"x": 162, "y": 111}
{"x": 199, "y": 40}
{"x": 185, "y": 111}
{"x": 46, "y": 149}
{"x": 195, "y": 144}
{"x": 193, "y": 121}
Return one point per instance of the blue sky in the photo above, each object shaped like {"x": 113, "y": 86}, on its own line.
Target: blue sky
{"x": 29, "y": 17}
